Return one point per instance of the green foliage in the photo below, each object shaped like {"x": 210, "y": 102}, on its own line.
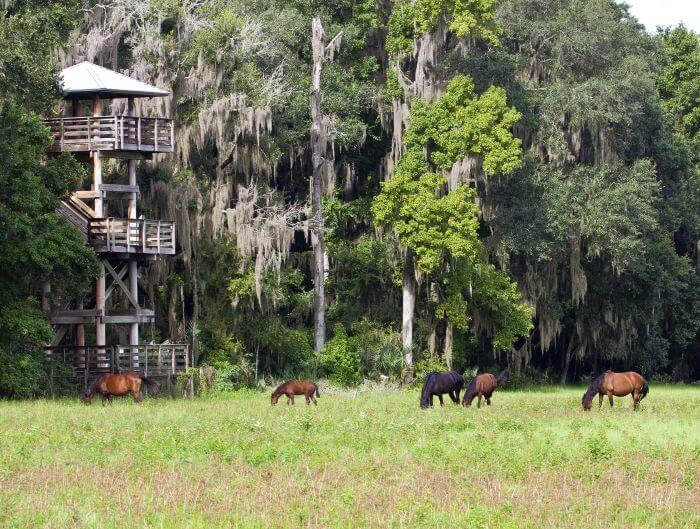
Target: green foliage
{"x": 679, "y": 82}
{"x": 379, "y": 348}
{"x": 340, "y": 359}
{"x": 465, "y": 17}
{"x": 427, "y": 364}
{"x": 36, "y": 246}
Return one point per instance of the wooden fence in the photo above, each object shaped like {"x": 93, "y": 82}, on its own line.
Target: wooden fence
{"x": 152, "y": 360}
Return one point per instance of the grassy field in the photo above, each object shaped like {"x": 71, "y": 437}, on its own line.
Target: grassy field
{"x": 533, "y": 459}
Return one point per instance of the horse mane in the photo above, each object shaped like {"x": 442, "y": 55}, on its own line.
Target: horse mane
{"x": 456, "y": 376}
{"x": 593, "y": 389}
{"x": 279, "y": 390}
{"x": 425, "y": 393}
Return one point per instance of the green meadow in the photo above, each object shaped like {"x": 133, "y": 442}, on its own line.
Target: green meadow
{"x": 532, "y": 459}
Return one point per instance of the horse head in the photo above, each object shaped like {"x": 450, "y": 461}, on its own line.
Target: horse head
{"x": 87, "y": 398}
{"x": 274, "y": 398}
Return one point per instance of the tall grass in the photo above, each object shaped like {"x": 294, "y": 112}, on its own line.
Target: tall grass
{"x": 532, "y": 459}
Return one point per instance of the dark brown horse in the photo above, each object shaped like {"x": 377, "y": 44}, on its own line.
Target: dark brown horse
{"x": 483, "y": 386}
{"x": 618, "y": 385}
{"x": 108, "y": 386}
{"x": 296, "y": 387}
{"x": 449, "y": 382}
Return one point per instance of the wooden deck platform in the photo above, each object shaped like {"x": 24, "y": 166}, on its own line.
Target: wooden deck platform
{"x": 112, "y": 133}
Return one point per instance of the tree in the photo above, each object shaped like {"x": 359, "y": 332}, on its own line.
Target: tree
{"x": 319, "y": 146}
{"x": 679, "y": 82}
{"x": 440, "y": 225}
{"x": 36, "y": 246}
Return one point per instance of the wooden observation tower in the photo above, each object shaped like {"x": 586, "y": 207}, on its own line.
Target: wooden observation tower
{"x": 123, "y": 242}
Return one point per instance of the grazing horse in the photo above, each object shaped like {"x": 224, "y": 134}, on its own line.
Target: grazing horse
{"x": 296, "y": 387}
{"x": 617, "y": 384}
{"x": 483, "y": 386}
{"x": 108, "y": 386}
{"x": 449, "y": 382}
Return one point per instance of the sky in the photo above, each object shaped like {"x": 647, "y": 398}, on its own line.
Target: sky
{"x": 653, "y": 13}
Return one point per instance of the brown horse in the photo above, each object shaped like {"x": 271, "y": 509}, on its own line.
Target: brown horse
{"x": 296, "y": 387}
{"x": 617, "y": 384}
{"x": 108, "y": 386}
{"x": 483, "y": 386}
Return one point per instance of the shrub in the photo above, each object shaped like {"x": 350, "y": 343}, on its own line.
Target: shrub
{"x": 379, "y": 349}
{"x": 428, "y": 364}
{"x": 340, "y": 361}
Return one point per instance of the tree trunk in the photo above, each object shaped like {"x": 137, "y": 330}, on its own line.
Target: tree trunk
{"x": 566, "y": 360}
{"x": 432, "y": 340}
{"x": 318, "y": 149}
{"x": 448, "y": 345}
{"x": 409, "y": 304}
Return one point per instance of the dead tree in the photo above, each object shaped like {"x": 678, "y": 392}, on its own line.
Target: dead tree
{"x": 319, "y": 146}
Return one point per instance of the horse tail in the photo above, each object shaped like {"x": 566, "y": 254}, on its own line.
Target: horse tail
{"x": 318, "y": 395}
{"x": 150, "y": 383}
{"x": 645, "y": 389}
{"x": 502, "y": 377}
{"x": 427, "y": 386}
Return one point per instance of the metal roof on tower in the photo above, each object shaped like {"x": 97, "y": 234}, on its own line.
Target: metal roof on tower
{"x": 87, "y": 78}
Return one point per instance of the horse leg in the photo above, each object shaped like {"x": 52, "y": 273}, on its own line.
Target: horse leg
{"x": 308, "y": 400}
{"x": 600, "y": 399}
{"x": 137, "y": 396}
{"x": 441, "y": 402}
{"x": 488, "y": 400}
{"x": 291, "y": 397}
{"x": 288, "y": 399}
{"x": 478, "y": 404}
{"x": 610, "y": 398}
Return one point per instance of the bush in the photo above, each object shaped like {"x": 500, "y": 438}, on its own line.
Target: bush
{"x": 428, "y": 364}
{"x": 528, "y": 377}
{"x": 379, "y": 349}
{"x": 230, "y": 377}
{"x": 340, "y": 359}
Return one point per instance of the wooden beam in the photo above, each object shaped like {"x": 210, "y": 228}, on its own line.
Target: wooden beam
{"x": 127, "y": 155}
{"x": 73, "y": 317}
{"x": 82, "y": 206}
{"x": 140, "y": 316}
{"x": 121, "y": 283}
{"x": 58, "y": 336}
{"x": 119, "y": 188}
{"x": 88, "y": 193}
{"x": 112, "y": 287}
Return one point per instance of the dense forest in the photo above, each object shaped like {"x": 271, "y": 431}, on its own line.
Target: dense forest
{"x": 510, "y": 183}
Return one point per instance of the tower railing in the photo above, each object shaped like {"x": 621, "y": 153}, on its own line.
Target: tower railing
{"x": 132, "y": 235}
{"x": 111, "y": 133}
